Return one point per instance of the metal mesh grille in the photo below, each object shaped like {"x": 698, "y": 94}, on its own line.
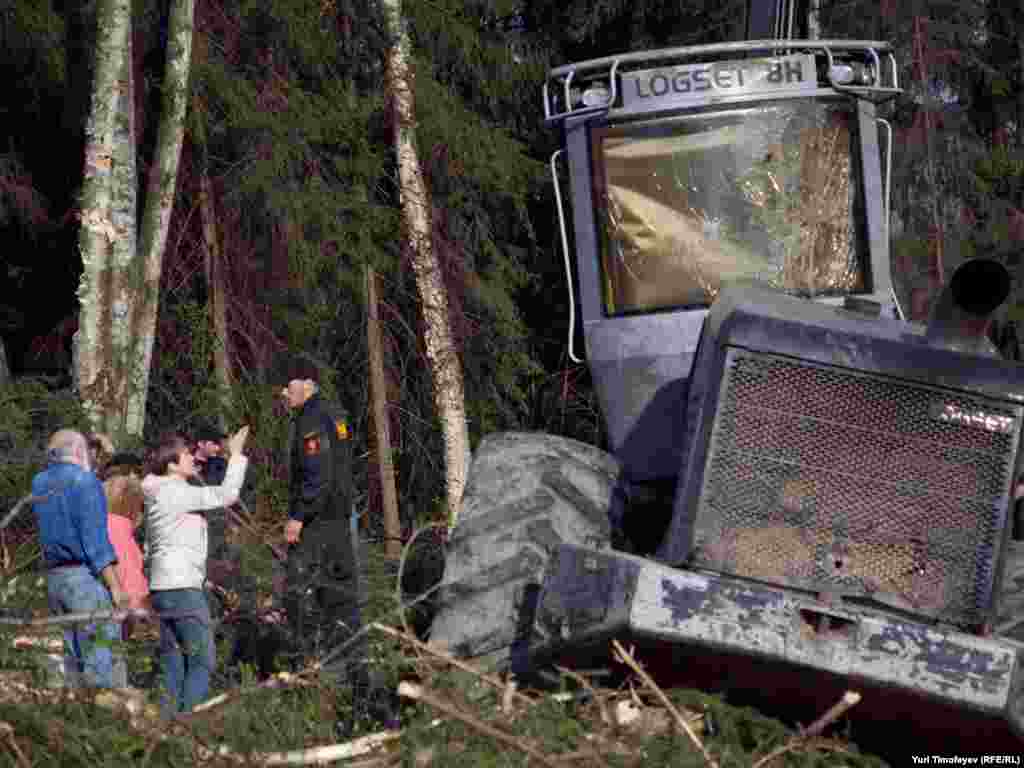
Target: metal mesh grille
{"x": 827, "y": 479}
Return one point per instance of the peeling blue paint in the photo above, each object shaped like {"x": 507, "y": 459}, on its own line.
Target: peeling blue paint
{"x": 682, "y": 602}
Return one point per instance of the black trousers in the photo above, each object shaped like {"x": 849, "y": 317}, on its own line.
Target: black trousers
{"x": 322, "y": 596}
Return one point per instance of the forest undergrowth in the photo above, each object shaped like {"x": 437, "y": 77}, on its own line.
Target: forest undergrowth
{"x": 450, "y": 712}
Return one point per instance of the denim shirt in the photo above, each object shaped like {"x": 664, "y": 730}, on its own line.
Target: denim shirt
{"x": 72, "y": 518}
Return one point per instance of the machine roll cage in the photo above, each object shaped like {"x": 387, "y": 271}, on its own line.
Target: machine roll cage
{"x": 563, "y": 90}
{"x": 560, "y": 98}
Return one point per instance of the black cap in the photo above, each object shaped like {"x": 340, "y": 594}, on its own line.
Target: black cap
{"x": 209, "y": 432}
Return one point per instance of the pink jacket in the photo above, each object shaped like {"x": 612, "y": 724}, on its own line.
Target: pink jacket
{"x": 129, "y": 559}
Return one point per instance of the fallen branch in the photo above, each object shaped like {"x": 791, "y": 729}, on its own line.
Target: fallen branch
{"x": 448, "y": 659}
{"x": 326, "y": 754}
{"x": 41, "y": 642}
{"x": 304, "y": 677}
{"x": 7, "y": 731}
{"x": 112, "y": 615}
{"x": 203, "y": 747}
{"x": 299, "y": 678}
{"x": 625, "y": 656}
{"x": 16, "y": 509}
{"x": 837, "y": 710}
{"x": 280, "y": 680}
{"x": 335, "y": 652}
{"x": 419, "y": 693}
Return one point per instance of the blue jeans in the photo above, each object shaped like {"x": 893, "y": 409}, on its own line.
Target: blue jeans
{"x": 88, "y": 649}
{"x": 187, "y": 653}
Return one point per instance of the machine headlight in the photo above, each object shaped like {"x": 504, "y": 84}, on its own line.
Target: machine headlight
{"x": 596, "y": 95}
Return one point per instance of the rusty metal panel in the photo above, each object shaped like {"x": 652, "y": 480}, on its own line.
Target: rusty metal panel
{"x": 705, "y": 610}
{"x": 833, "y": 480}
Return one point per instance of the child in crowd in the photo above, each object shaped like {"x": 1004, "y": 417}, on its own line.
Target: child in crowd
{"x": 121, "y": 486}
{"x": 124, "y": 512}
{"x": 176, "y": 549}
{"x": 125, "y": 503}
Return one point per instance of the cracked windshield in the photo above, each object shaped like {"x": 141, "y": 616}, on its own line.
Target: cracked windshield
{"x": 769, "y": 193}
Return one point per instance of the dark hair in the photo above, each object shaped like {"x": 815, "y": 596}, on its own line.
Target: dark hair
{"x": 168, "y": 450}
{"x": 209, "y": 432}
{"x": 122, "y": 463}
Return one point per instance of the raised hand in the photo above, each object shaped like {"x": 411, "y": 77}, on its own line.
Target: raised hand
{"x": 237, "y": 441}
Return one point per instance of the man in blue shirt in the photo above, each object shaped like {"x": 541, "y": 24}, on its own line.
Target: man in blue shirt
{"x": 80, "y": 561}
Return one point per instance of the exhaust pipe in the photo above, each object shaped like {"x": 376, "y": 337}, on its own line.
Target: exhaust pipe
{"x": 963, "y": 311}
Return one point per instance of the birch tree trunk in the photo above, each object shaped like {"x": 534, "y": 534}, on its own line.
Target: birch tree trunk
{"x": 124, "y": 201}
{"x": 98, "y": 231}
{"x": 118, "y": 291}
{"x": 156, "y": 217}
{"x": 442, "y": 355}
{"x": 381, "y": 424}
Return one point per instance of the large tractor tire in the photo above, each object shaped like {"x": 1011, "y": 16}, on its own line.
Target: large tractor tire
{"x": 527, "y": 493}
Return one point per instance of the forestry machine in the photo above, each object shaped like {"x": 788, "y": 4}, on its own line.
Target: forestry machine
{"x": 802, "y": 485}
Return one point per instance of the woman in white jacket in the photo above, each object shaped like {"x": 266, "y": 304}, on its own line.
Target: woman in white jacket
{"x": 176, "y": 547}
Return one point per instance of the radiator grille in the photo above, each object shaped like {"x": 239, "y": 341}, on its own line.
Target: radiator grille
{"x": 827, "y": 479}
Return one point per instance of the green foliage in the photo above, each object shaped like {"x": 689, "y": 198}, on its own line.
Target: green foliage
{"x": 75, "y": 733}
{"x": 491, "y": 68}
{"x": 199, "y": 399}
{"x": 481, "y": 178}
{"x": 31, "y": 36}
{"x": 1001, "y": 87}
{"x": 741, "y": 734}
{"x": 29, "y": 413}
{"x": 67, "y": 731}
{"x": 1000, "y": 173}
{"x": 297, "y": 130}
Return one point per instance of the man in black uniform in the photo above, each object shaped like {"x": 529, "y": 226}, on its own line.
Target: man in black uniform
{"x": 322, "y": 591}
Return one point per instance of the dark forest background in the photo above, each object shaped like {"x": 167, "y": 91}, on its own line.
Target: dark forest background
{"x": 287, "y": 119}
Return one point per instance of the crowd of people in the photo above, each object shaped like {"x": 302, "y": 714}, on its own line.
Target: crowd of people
{"x": 91, "y": 502}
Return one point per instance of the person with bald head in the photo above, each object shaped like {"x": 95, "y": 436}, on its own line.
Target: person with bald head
{"x": 80, "y": 561}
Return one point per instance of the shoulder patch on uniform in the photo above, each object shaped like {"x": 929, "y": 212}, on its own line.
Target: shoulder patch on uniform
{"x": 341, "y": 428}
{"x": 311, "y": 444}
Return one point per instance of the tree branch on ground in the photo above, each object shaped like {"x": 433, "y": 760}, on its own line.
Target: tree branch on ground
{"x": 420, "y": 693}
{"x": 837, "y": 710}
{"x": 627, "y": 658}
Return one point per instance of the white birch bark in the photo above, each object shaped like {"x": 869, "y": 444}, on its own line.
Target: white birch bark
{"x": 442, "y": 355}
{"x": 156, "y": 217}
{"x": 382, "y": 431}
{"x": 98, "y": 230}
{"x": 117, "y": 358}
